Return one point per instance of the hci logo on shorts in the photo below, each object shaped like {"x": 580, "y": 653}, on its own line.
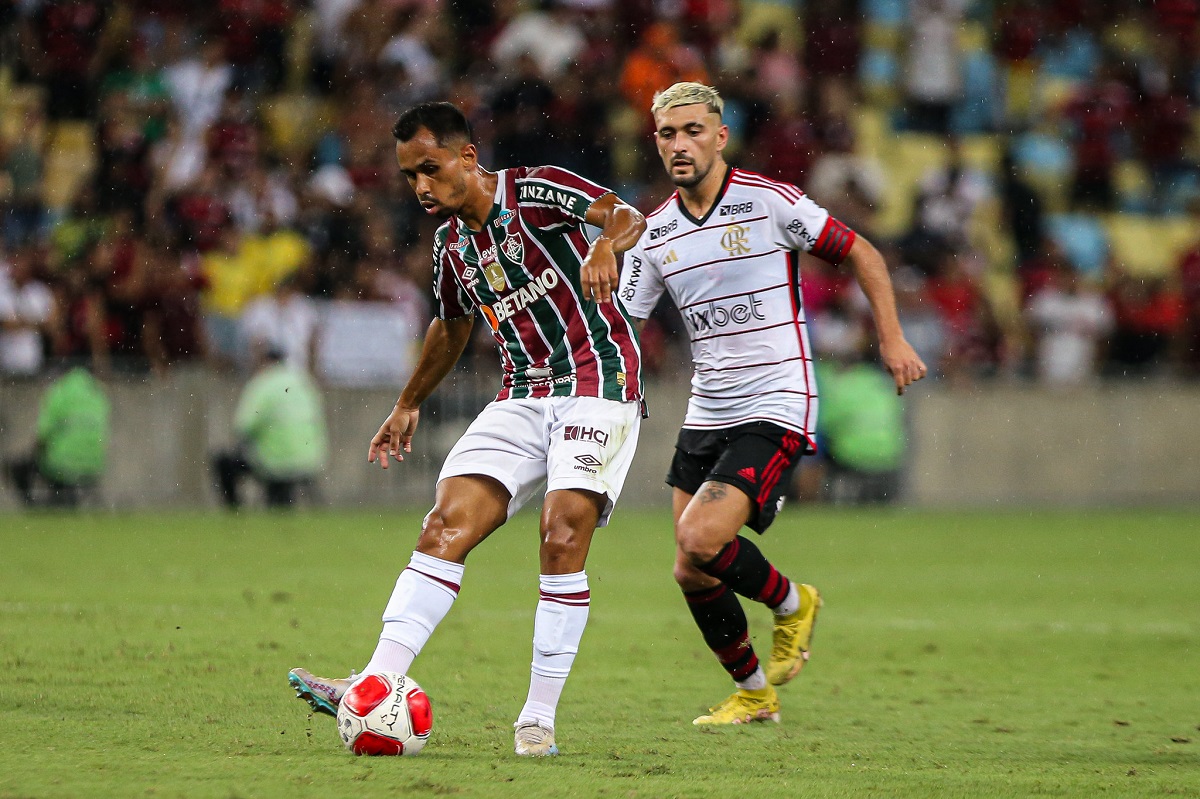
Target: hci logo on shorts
{"x": 574, "y": 432}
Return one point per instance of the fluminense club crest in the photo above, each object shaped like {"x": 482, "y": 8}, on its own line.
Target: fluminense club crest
{"x": 514, "y": 250}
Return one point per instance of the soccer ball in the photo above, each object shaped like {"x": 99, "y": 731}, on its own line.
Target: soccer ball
{"x": 385, "y": 714}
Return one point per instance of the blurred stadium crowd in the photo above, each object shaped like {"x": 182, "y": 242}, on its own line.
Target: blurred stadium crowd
{"x": 184, "y": 183}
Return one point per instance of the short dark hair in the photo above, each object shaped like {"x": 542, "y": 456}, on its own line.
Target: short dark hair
{"x": 443, "y": 120}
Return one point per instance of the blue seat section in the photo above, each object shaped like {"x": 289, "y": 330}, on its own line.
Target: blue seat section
{"x": 1083, "y": 240}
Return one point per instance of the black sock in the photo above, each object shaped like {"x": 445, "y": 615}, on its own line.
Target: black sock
{"x": 742, "y": 567}
{"x": 721, "y": 620}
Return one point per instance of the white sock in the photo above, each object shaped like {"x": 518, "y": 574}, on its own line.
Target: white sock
{"x": 422, "y": 597}
{"x": 790, "y": 605}
{"x": 562, "y": 614}
{"x": 755, "y": 682}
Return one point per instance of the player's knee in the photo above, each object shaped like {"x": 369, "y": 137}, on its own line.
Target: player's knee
{"x": 563, "y": 549}
{"x": 695, "y": 543}
{"x": 688, "y": 577}
{"x": 438, "y": 535}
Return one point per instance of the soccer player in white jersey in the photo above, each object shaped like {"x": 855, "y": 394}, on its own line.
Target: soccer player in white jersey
{"x": 568, "y": 412}
{"x": 725, "y": 247}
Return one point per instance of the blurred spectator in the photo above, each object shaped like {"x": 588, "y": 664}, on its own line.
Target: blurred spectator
{"x": 1149, "y": 322}
{"x": 547, "y": 33}
{"x": 777, "y": 71}
{"x": 285, "y": 322}
{"x": 786, "y": 144}
{"x": 833, "y": 45}
{"x": 1189, "y": 279}
{"x": 1165, "y": 131}
{"x": 172, "y": 325}
{"x": 1023, "y": 210}
{"x": 1019, "y": 29}
{"x": 138, "y": 77}
{"x": 945, "y": 208}
{"x": 410, "y": 53}
{"x": 1070, "y": 321}
{"x": 26, "y": 316}
{"x": 281, "y": 438}
{"x": 123, "y": 175}
{"x": 848, "y": 183}
{"x": 920, "y": 317}
{"x": 62, "y": 47}
{"x": 198, "y": 85}
{"x": 253, "y": 31}
{"x": 521, "y": 114}
{"x": 971, "y": 332}
{"x": 933, "y": 69}
{"x": 72, "y": 443}
{"x": 658, "y": 61}
{"x": 332, "y": 40}
{"x": 177, "y": 161}
{"x": 22, "y": 168}
{"x": 1099, "y": 113}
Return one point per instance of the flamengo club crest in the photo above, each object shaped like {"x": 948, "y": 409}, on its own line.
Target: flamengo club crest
{"x": 735, "y": 241}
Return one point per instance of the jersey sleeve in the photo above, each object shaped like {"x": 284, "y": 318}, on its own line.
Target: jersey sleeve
{"x": 451, "y": 301}
{"x": 558, "y": 195}
{"x": 805, "y": 225}
{"x": 641, "y": 283}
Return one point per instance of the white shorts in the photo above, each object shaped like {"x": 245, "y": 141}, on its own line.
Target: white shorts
{"x": 567, "y": 442}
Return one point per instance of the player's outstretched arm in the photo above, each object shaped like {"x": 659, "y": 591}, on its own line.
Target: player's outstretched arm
{"x": 621, "y": 225}
{"x": 444, "y": 345}
{"x": 898, "y": 356}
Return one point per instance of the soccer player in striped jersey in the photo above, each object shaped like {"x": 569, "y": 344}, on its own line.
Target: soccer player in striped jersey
{"x": 513, "y": 249}
{"x": 725, "y": 247}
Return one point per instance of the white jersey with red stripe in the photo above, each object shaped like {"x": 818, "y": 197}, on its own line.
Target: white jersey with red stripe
{"x": 734, "y": 276}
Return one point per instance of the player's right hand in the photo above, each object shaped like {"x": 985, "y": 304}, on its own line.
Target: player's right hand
{"x": 394, "y": 436}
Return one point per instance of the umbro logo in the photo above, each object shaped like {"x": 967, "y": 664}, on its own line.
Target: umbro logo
{"x": 748, "y": 474}
{"x": 589, "y": 460}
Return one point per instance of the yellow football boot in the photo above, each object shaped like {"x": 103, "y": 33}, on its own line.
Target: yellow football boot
{"x": 793, "y": 637}
{"x": 744, "y": 707}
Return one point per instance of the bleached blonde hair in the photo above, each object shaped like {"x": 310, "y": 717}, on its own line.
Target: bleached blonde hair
{"x": 688, "y": 93}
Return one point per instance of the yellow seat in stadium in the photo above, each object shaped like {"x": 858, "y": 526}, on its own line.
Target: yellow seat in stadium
{"x": 1150, "y": 246}
{"x": 70, "y": 161}
{"x": 1132, "y": 183}
{"x": 296, "y": 121}
{"x": 16, "y": 101}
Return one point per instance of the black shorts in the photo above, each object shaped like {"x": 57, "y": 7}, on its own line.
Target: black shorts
{"x": 757, "y": 457}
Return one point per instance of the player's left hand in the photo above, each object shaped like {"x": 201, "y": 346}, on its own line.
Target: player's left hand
{"x": 395, "y": 435}
{"x": 598, "y": 274}
{"x": 902, "y": 361}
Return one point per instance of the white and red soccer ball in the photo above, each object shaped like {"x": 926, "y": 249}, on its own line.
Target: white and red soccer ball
{"x": 385, "y": 714}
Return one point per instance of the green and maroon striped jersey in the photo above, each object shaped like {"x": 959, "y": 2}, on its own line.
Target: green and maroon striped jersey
{"x": 522, "y": 272}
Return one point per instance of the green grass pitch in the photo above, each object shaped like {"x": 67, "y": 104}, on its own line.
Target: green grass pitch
{"x": 959, "y": 654}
